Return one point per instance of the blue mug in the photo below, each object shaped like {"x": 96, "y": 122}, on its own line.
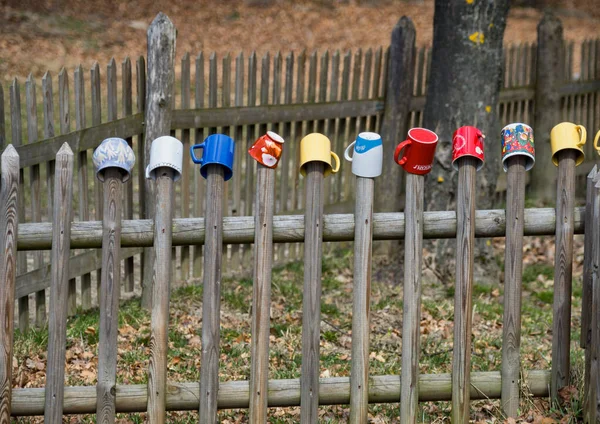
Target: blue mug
{"x": 216, "y": 149}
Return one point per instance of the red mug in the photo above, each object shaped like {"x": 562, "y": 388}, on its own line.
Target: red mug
{"x": 419, "y": 150}
{"x": 267, "y": 149}
{"x": 467, "y": 141}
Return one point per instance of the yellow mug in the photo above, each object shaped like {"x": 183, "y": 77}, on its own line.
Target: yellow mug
{"x": 317, "y": 147}
{"x": 596, "y": 139}
{"x": 568, "y": 136}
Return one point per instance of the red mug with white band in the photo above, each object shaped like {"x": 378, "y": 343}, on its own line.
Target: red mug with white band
{"x": 467, "y": 141}
{"x": 419, "y": 150}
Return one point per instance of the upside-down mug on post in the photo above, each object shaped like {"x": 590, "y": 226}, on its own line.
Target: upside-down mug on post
{"x": 113, "y": 152}
{"x": 517, "y": 140}
{"x": 419, "y": 151}
{"x": 317, "y": 147}
{"x": 267, "y": 149}
{"x": 467, "y": 141}
{"x": 165, "y": 151}
{"x": 217, "y": 149}
{"x": 367, "y": 158}
{"x": 567, "y": 135}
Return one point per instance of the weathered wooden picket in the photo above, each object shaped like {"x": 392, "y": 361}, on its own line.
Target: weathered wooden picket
{"x": 351, "y": 97}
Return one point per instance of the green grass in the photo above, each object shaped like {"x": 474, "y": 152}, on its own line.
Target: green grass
{"x": 336, "y": 313}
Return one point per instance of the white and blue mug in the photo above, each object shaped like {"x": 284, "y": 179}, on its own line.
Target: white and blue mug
{"x": 368, "y": 155}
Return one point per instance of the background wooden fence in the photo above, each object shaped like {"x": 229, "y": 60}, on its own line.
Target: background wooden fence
{"x": 337, "y": 93}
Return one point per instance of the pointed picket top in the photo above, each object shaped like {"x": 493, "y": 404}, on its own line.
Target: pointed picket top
{"x": 200, "y": 57}
{"x": 29, "y": 78}
{"x": 185, "y": 58}
{"x": 64, "y": 151}
{"x": 63, "y": 73}
{"x": 593, "y": 172}
{"x": 10, "y": 152}
{"x": 213, "y": 56}
{"x": 161, "y": 23}
{"x": 15, "y": 82}
{"x": 47, "y": 76}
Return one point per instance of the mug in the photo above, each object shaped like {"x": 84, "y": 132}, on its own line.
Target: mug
{"x": 368, "y": 155}
{"x": 568, "y": 136}
{"x": 317, "y": 147}
{"x": 517, "y": 140}
{"x": 467, "y": 141}
{"x": 216, "y": 149}
{"x": 419, "y": 150}
{"x": 165, "y": 151}
{"x": 267, "y": 149}
{"x": 113, "y": 153}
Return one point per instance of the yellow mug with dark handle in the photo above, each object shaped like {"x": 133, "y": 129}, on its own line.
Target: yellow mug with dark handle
{"x": 317, "y": 147}
{"x": 567, "y": 135}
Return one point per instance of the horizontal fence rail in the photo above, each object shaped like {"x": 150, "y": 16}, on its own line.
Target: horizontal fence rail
{"x": 290, "y": 228}
{"x": 281, "y": 393}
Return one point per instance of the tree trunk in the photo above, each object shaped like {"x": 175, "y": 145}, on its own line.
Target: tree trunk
{"x": 464, "y": 87}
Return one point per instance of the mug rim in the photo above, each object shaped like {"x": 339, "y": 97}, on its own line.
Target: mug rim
{"x": 528, "y": 164}
{"x": 370, "y": 133}
{"x": 275, "y": 137}
{"x": 423, "y": 142}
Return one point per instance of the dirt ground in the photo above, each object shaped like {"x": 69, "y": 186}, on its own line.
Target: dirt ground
{"x": 46, "y": 35}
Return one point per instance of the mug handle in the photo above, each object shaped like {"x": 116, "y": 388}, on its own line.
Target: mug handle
{"x": 596, "y": 139}
{"x": 337, "y": 163}
{"x": 194, "y": 158}
{"x": 147, "y": 172}
{"x": 582, "y": 135}
{"x": 347, "y": 151}
{"x": 399, "y": 148}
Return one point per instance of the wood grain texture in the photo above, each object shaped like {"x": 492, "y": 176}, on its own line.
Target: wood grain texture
{"x": 36, "y": 195}
{"x": 586, "y": 296}
{"x": 361, "y": 304}
{"x": 17, "y": 140}
{"x": 290, "y": 228}
{"x": 549, "y": 76}
{"x": 282, "y": 393}
{"x": 411, "y": 317}
{"x": 463, "y": 301}
{"x": 185, "y": 172}
{"x": 9, "y": 222}
{"x": 400, "y": 76}
{"x": 261, "y": 296}
{"x": 57, "y": 319}
{"x": 198, "y": 209}
{"x": 127, "y": 110}
{"x": 563, "y": 271}
{"x": 82, "y": 176}
{"x": 592, "y": 365}
{"x": 311, "y": 293}
{"x": 513, "y": 270}
{"x": 161, "y": 286}
{"x": 211, "y": 296}
{"x": 158, "y": 113}
{"x": 109, "y": 297}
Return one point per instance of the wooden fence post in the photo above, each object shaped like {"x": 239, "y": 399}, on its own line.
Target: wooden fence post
{"x": 211, "y": 297}
{"x": 563, "y": 271}
{"x": 158, "y": 113}
{"x": 261, "y": 296}
{"x": 361, "y": 305}
{"x": 411, "y": 322}
{"x": 513, "y": 269}
{"x": 400, "y": 73}
{"x": 549, "y": 77}
{"x": 311, "y": 303}
{"x": 592, "y": 260}
{"x": 108, "y": 298}
{"x": 586, "y": 296}
{"x": 9, "y": 222}
{"x": 57, "y": 319}
{"x": 161, "y": 286}
{"x": 463, "y": 301}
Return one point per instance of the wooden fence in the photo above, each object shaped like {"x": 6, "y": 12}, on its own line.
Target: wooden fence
{"x": 333, "y": 92}
{"x": 61, "y": 236}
